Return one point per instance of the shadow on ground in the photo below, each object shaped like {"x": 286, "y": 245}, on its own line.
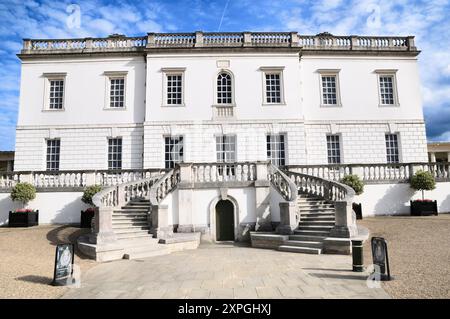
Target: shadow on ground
{"x": 65, "y": 234}
{"x": 36, "y": 279}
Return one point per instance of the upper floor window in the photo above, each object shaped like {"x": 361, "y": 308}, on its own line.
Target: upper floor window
{"x": 392, "y": 152}
{"x": 53, "y": 151}
{"x": 273, "y": 85}
{"x": 334, "y": 149}
{"x": 54, "y": 91}
{"x": 224, "y": 88}
{"x": 226, "y": 148}
{"x": 329, "y": 87}
{"x": 173, "y": 86}
{"x": 115, "y": 153}
{"x": 173, "y": 150}
{"x": 116, "y": 83}
{"x": 387, "y": 87}
{"x": 276, "y": 150}
{"x": 117, "y": 92}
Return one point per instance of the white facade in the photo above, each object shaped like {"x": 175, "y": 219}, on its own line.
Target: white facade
{"x": 85, "y": 121}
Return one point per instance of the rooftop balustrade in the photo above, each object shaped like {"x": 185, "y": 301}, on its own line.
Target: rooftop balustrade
{"x": 120, "y": 43}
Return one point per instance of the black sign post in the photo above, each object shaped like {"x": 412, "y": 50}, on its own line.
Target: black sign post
{"x": 62, "y": 275}
{"x": 381, "y": 258}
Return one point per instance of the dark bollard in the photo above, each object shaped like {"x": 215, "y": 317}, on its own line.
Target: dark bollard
{"x": 357, "y": 255}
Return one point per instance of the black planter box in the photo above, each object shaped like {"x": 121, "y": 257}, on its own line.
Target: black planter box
{"x": 23, "y": 219}
{"x": 358, "y": 210}
{"x": 419, "y": 208}
{"x": 86, "y": 218}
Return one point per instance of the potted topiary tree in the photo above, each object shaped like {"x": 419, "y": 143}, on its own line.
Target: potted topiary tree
{"x": 358, "y": 186}
{"x": 24, "y": 217}
{"x": 88, "y": 214}
{"x": 423, "y": 181}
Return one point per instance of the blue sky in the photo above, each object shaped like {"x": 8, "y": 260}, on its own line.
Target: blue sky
{"x": 429, "y": 21}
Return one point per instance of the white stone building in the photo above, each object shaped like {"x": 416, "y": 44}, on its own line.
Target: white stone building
{"x": 118, "y": 110}
{"x": 308, "y": 100}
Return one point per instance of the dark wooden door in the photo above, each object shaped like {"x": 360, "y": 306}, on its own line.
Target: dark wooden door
{"x": 224, "y": 220}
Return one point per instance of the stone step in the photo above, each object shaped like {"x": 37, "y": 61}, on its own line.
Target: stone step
{"x": 132, "y": 231}
{"x": 130, "y": 213}
{"x": 304, "y": 218}
{"x": 299, "y": 243}
{"x": 304, "y": 250}
{"x": 307, "y": 238}
{"x": 316, "y": 214}
{"x": 133, "y": 207}
{"x": 311, "y": 233}
{"x": 132, "y": 236}
{"x": 139, "y": 202}
{"x": 131, "y": 222}
{"x": 143, "y": 241}
{"x": 315, "y": 228}
{"x": 315, "y": 223}
{"x": 316, "y": 210}
{"x": 145, "y": 252}
{"x": 119, "y": 228}
{"x": 132, "y": 210}
{"x": 128, "y": 219}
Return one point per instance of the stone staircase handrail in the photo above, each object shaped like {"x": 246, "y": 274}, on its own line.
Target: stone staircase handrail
{"x": 328, "y": 189}
{"x": 164, "y": 186}
{"x": 282, "y": 183}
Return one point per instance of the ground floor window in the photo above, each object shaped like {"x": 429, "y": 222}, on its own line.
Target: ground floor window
{"x": 392, "y": 153}
{"x": 53, "y": 151}
{"x": 173, "y": 150}
{"x": 334, "y": 149}
{"x": 115, "y": 153}
{"x": 226, "y": 148}
{"x": 276, "y": 153}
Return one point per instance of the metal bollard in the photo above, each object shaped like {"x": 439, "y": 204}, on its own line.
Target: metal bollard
{"x": 357, "y": 255}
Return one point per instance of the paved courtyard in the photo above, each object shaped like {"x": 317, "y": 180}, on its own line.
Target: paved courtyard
{"x": 226, "y": 271}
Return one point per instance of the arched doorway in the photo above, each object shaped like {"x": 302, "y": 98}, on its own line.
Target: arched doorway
{"x": 224, "y": 220}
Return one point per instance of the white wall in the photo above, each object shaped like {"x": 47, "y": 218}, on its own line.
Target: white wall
{"x": 359, "y": 88}
{"x": 81, "y": 147}
{"x": 200, "y": 142}
{"x": 363, "y": 142}
{"x": 201, "y": 79}
{"x": 393, "y": 199}
{"x": 54, "y": 208}
{"x": 85, "y": 91}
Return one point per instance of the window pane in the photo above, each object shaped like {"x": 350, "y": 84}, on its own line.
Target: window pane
{"x": 329, "y": 95}
{"x": 392, "y": 153}
{"x": 387, "y": 90}
{"x": 333, "y": 149}
{"x": 224, "y": 89}
{"x": 174, "y": 89}
{"x": 173, "y": 151}
{"x": 273, "y": 88}
{"x": 275, "y": 149}
{"x": 115, "y": 153}
{"x": 56, "y": 94}
{"x": 53, "y": 149}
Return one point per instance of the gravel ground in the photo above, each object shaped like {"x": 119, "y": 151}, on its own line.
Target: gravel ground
{"x": 419, "y": 254}
{"x": 27, "y": 257}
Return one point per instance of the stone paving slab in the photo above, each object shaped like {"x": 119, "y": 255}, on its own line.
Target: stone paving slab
{"x": 237, "y": 272}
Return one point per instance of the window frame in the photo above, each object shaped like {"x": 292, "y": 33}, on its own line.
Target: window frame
{"x": 121, "y": 153}
{"x": 339, "y": 136}
{"x": 333, "y": 73}
{"x": 399, "y": 154}
{"x": 47, "y": 154}
{"x": 173, "y": 71}
{"x": 48, "y": 77}
{"x": 393, "y": 75}
{"x": 272, "y": 70}
{"x": 216, "y": 91}
{"x": 164, "y": 148}
{"x": 110, "y": 75}
{"x": 223, "y": 150}
{"x": 268, "y": 136}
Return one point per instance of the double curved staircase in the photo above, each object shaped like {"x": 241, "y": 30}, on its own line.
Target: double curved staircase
{"x": 128, "y": 214}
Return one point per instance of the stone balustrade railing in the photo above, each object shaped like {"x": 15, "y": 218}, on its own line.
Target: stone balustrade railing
{"x": 282, "y": 183}
{"x": 76, "y": 179}
{"x": 322, "y": 41}
{"x": 164, "y": 186}
{"x": 375, "y": 173}
{"x": 317, "y": 186}
{"x": 223, "y": 172}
